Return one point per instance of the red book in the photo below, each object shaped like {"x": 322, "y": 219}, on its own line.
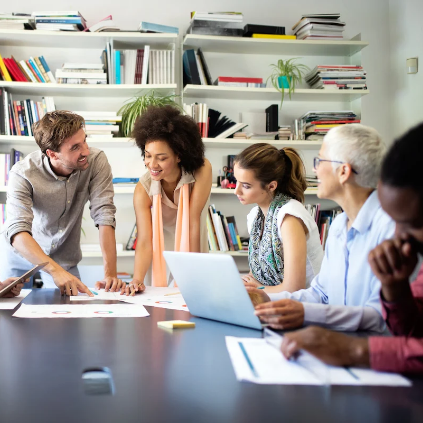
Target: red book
{"x": 11, "y": 69}
{"x": 240, "y": 79}
{"x": 18, "y": 68}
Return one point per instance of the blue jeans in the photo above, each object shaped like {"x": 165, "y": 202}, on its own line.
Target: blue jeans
{"x": 14, "y": 265}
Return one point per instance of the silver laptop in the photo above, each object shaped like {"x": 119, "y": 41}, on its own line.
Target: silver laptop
{"x": 212, "y": 287}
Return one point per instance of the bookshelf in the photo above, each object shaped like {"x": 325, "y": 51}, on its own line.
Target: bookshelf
{"x": 75, "y": 90}
{"x": 206, "y": 92}
{"x": 295, "y": 48}
{"x": 82, "y": 47}
{"x": 236, "y": 56}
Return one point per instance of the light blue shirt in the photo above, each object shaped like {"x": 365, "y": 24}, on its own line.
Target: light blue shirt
{"x": 345, "y": 294}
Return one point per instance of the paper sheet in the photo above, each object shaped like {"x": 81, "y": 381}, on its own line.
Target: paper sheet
{"x": 11, "y": 303}
{"x": 152, "y": 296}
{"x": 66, "y": 311}
{"x": 270, "y": 367}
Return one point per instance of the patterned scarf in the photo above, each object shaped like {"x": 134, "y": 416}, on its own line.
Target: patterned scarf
{"x": 265, "y": 255}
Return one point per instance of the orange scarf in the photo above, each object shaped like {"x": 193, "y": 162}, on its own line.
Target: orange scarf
{"x": 181, "y": 234}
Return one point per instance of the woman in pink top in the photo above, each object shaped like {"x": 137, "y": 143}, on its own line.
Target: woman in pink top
{"x": 171, "y": 199}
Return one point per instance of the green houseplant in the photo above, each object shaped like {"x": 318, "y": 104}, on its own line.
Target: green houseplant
{"x": 286, "y": 74}
{"x": 136, "y": 106}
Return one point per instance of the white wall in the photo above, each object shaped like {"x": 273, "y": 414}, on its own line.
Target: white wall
{"x": 406, "y": 41}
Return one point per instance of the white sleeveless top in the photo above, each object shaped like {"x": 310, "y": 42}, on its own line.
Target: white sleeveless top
{"x": 314, "y": 247}
{"x": 169, "y": 213}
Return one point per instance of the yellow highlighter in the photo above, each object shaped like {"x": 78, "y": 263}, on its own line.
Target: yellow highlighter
{"x": 176, "y": 324}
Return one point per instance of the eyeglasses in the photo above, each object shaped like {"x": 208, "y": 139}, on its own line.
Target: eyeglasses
{"x": 317, "y": 160}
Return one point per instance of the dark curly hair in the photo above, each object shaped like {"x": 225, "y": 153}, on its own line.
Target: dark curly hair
{"x": 168, "y": 124}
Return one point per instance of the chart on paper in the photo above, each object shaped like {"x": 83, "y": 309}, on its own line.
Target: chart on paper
{"x": 68, "y": 311}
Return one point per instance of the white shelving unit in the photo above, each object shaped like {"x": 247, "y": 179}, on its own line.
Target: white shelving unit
{"x": 245, "y": 55}
{"x": 82, "y": 47}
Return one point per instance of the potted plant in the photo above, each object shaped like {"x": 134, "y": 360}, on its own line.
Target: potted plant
{"x": 286, "y": 74}
{"x": 136, "y": 106}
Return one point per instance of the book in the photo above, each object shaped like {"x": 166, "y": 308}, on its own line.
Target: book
{"x": 230, "y": 131}
{"x": 272, "y": 118}
{"x": 106, "y": 25}
{"x": 130, "y": 245}
{"x": 36, "y": 70}
{"x": 152, "y": 27}
{"x": 190, "y": 67}
{"x": 205, "y": 67}
{"x": 206, "y": 30}
{"x": 239, "y": 79}
{"x": 5, "y": 74}
{"x": 87, "y": 75}
{"x": 47, "y": 69}
{"x": 275, "y": 37}
{"x": 42, "y": 70}
{"x": 145, "y": 64}
{"x": 217, "y": 16}
{"x": 117, "y": 68}
{"x": 28, "y": 71}
{"x": 251, "y": 29}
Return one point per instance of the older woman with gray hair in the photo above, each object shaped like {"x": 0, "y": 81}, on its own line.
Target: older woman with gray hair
{"x": 345, "y": 294}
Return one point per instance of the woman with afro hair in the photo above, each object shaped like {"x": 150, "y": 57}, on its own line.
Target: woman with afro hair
{"x": 171, "y": 198}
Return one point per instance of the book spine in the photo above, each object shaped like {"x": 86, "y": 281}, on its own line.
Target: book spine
{"x": 19, "y": 118}
{"x": 2, "y": 113}
{"x": 4, "y": 71}
{"x": 117, "y": 67}
{"x": 42, "y": 70}
{"x": 12, "y": 119}
{"x": 47, "y": 69}
{"x": 33, "y": 71}
{"x": 11, "y": 70}
{"x": 212, "y": 241}
{"x": 21, "y": 109}
{"x": 6, "y": 112}
{"x": 35, "y": 67}
{"x": 28, "y": 71}
{"x": 227, "y": 233}
{"x": 28, "y": 113}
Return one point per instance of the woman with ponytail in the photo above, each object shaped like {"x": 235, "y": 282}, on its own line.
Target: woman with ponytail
{"x": 284, "y": 253}
{"x": 171, "y": 198}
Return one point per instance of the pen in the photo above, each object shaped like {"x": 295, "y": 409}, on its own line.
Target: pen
{"x": 261, "y": 287}
{"x": 172, "y": 293}
{"x": 93, "y": 292}
{"x": 351, "y": 373}
{"x": 244, "y": 351}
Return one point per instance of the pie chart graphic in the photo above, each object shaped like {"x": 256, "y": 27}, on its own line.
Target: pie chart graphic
{"x": 103, "y": 312}
{"x": 61, "y": 312}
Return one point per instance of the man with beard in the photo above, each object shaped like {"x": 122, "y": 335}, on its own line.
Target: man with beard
{"x": 46, "y": 195}
{"x": 393, "y": 262}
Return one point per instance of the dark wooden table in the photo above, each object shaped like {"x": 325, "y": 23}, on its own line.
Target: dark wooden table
{"x": 162, "y": 376}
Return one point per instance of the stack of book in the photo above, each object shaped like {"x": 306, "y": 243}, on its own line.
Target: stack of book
{"x": 152, "y": 27}
{"x": 195, "y": 69}
{"x": 266, "y": 31}
{"x": 35, "y": 69}
{"x": 319, "y": 27}
{"x": 17, "y": 117}
{"x": 240, "y": 136}
{"x": 16, "y": 21}
{"x": 284, "y": 133}
{"x": 316, "y": 124}
{"x": 100, "y": 124}
{"x": 311, "y": 181}
{"x": 81, "y": 73}
{"x": 239, "y": 81}
{"x": 337, "y": 77}
{"x": 59, "y": 21}
{"x": 220, "y": 23}
{"x": 222, "y": 232}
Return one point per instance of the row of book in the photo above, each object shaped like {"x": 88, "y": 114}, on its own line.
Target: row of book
{"x": 7, "y": 160}
{"x": 196, "y": 72}
{"x": 17, "y": 117}
{"x": 319, "y": 27}
{"x": 337, "y": 77}
{"x": 59, "y": 21}
{"x": 323, "y": 219}
{"x": 35, "y": 69}
{"x": 211, "y": 123}
{"x": 222, "y": 232}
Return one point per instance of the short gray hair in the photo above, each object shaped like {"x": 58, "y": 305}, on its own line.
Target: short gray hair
{"x": 361, "y": 147}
